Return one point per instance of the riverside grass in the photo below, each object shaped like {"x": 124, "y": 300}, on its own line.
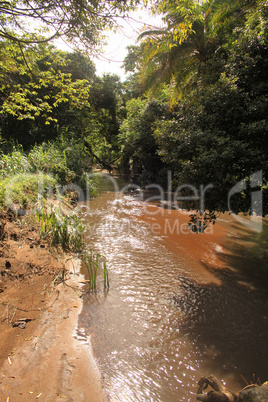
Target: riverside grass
{"x": 21, "y": 190}
{"x": 93, "y": 262}
{"x": 46, "y": 166}
{"x": 67, "y": 232}
{"x": 64, "y": 158}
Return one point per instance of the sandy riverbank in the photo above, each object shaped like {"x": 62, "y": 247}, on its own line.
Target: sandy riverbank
{"x": 43, "y": 360}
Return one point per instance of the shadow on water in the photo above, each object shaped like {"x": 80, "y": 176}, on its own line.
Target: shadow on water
{"x": 248, "y": 254}
{"x": 230, "y": 321}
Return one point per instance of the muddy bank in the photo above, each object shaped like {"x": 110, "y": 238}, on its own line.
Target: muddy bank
{"x": 39, "y": 356}
{"x": 52, "y": 365}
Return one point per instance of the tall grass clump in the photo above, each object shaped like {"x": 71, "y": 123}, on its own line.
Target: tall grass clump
{"x": 68, "y": 233}
{"x": 77, "y": 155}
{"x": 64, "y": 231}
{"x": 93, "y": 263}
{"x": 66, "y": 159}
{"x": 13, "y": 163}
{"x": 48, "y": 158}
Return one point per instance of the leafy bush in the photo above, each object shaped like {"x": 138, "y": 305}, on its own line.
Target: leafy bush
{"x": 22, "y": 190}
{"x": 65, "y": 159}
{"x": 48, "y": 158}
{"x": 13, "y": 163}
{"x": 76, "y": 154}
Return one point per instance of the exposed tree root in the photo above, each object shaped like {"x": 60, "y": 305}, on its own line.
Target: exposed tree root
{"x": 219, "y": 393}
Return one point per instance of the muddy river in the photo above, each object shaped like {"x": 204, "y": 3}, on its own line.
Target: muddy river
{"x": 180, "y": 305}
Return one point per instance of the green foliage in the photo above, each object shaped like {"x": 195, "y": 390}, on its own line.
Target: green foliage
{"x": 45, "y": 97}
{"x": 89, "y": 182}
{"x": 79, "y": 23}
{"x": 78, "y": 65}
{"x": 36, "y": 90}
{"x": 93, "y": 262}
{"x": 220, "y": 137}
{"x": 212, "y": 58}
{"x": 61, "y": 162}
{"x": 131, "y": 129}
{"x": 64, "y": 231}
{"x": 106, "y": 101}
{"x": 209, "y": 62}
{"x": 52, "y": 158}
{"x": 54, "y": 94}
{"x": 13, "y": 163}
{"x": 21, "y": 190}
{"x": 181, "y": 52}
{"x": 137, "y": 140}
{"x": 75, "y": 154}
{"x": 49, "y": 158}
{"x": 132, "y": 60}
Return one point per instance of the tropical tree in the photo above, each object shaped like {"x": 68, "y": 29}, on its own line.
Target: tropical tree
{"x": 106, "y": 101}
{"x": 132, "y": 64}
{"x": 138, "y": 145}
{"x": 185, "y": 47}
{"x": 219, "y": 137}
{"x": 38, "y": 97}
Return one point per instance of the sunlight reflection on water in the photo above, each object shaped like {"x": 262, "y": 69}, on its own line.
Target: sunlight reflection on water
{"x": 144, "y": 331}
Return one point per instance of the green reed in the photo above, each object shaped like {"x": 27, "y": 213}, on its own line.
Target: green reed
{"x": 93, "y": 263}
{"x": 68, "y": 233}
{"x": 65, "y": 231}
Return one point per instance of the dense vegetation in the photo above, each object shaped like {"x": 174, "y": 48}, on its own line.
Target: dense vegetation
{"x": 207, "y": 73}
{"x": 195, "y": 102}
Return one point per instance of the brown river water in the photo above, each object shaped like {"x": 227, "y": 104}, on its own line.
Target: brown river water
{"x": 180, "y": 305}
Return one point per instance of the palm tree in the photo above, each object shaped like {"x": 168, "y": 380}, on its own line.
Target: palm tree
{"x": 192, "y": 35}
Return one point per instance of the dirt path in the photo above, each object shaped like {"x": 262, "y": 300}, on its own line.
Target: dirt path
{"x": 39, "y": 356}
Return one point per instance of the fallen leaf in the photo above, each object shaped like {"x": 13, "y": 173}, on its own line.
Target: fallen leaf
{"x": 30, "y": 392}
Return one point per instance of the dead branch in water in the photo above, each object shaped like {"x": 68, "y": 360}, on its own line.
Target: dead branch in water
{"x": 219, "y": 393}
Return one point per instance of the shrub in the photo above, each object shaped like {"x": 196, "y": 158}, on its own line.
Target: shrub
{"x": 22, "y": 190}
{"x": 13, "y": 163}
{"x": 48, "y": 158}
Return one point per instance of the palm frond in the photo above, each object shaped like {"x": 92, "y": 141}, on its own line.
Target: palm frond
{"x": 151, "y": 33}
{"x": 190, "y": 39}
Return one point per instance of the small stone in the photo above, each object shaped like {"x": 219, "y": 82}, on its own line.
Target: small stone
{"x": 8, "y": 265}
